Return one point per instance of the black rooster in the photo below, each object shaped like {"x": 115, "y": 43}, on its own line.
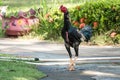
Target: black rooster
{"x": 73, "y": 36}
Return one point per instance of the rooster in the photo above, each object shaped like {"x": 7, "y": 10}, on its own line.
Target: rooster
{"x": 73, "y": 36}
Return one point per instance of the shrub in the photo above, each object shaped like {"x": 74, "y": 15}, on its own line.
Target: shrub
{"x": 101, "y": 14}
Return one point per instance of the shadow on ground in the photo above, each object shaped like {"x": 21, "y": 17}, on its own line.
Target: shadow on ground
{"x": 61, "y": 73}
{"x": 95, "y": 71}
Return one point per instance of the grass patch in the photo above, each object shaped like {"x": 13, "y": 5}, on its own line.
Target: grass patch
{"x": 14, "y": 70}
{"x": 8, "y": 57}
{"x": 5, "y": 55}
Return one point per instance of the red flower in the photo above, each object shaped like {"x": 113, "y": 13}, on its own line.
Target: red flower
{"x": 113, "y": 34}
{"x": 82, "y": 25}
{"x": 95, "y": 24}
{"x": 73, "y": 22}
{"x": 82, "y": 20}
{"x": 76, "y": 23}
{"x": 78, "y": 7}
{"x": 47, "y": 16}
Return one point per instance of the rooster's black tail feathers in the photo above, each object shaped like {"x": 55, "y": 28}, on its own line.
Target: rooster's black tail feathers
{"x": 87, "y": 32}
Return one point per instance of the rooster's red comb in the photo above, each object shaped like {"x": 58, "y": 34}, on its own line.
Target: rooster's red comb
{"x": 63, "y": 9}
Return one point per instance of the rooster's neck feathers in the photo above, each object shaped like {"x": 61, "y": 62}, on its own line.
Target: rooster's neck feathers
{"x": 67, "y": 23}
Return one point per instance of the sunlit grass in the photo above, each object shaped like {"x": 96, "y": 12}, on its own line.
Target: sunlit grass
{"x": 24, "y": 4}
{"x": 5, "y": 55}
{"x": 12, "y": 70}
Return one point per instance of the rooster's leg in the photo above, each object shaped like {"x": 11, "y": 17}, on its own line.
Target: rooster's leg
{"x": 75, "y": 59}
{"x": 71, "y": 65}
{"x": 76, "y": 47}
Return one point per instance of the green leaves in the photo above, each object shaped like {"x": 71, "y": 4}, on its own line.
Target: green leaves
{"x": 105, "y": 12}
{"x": 0, "y": 2}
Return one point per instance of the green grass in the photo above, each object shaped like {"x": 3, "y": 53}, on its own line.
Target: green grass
{"x": 17, "y": 5}
{"x": 12, "y": 70}
{"x": 5, "y": 55}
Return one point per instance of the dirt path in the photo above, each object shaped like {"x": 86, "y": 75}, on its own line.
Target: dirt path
{"x": 94, "y": 71}
{"x": 58, "y": 72}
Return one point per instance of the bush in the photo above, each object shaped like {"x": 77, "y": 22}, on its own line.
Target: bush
{"x": 101, "y": 14}
{"x": 50, "y": 25}
{"x": 106, "y": 13}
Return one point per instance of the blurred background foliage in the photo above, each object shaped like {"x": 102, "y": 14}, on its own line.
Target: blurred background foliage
{"x": 102, "y": 15}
